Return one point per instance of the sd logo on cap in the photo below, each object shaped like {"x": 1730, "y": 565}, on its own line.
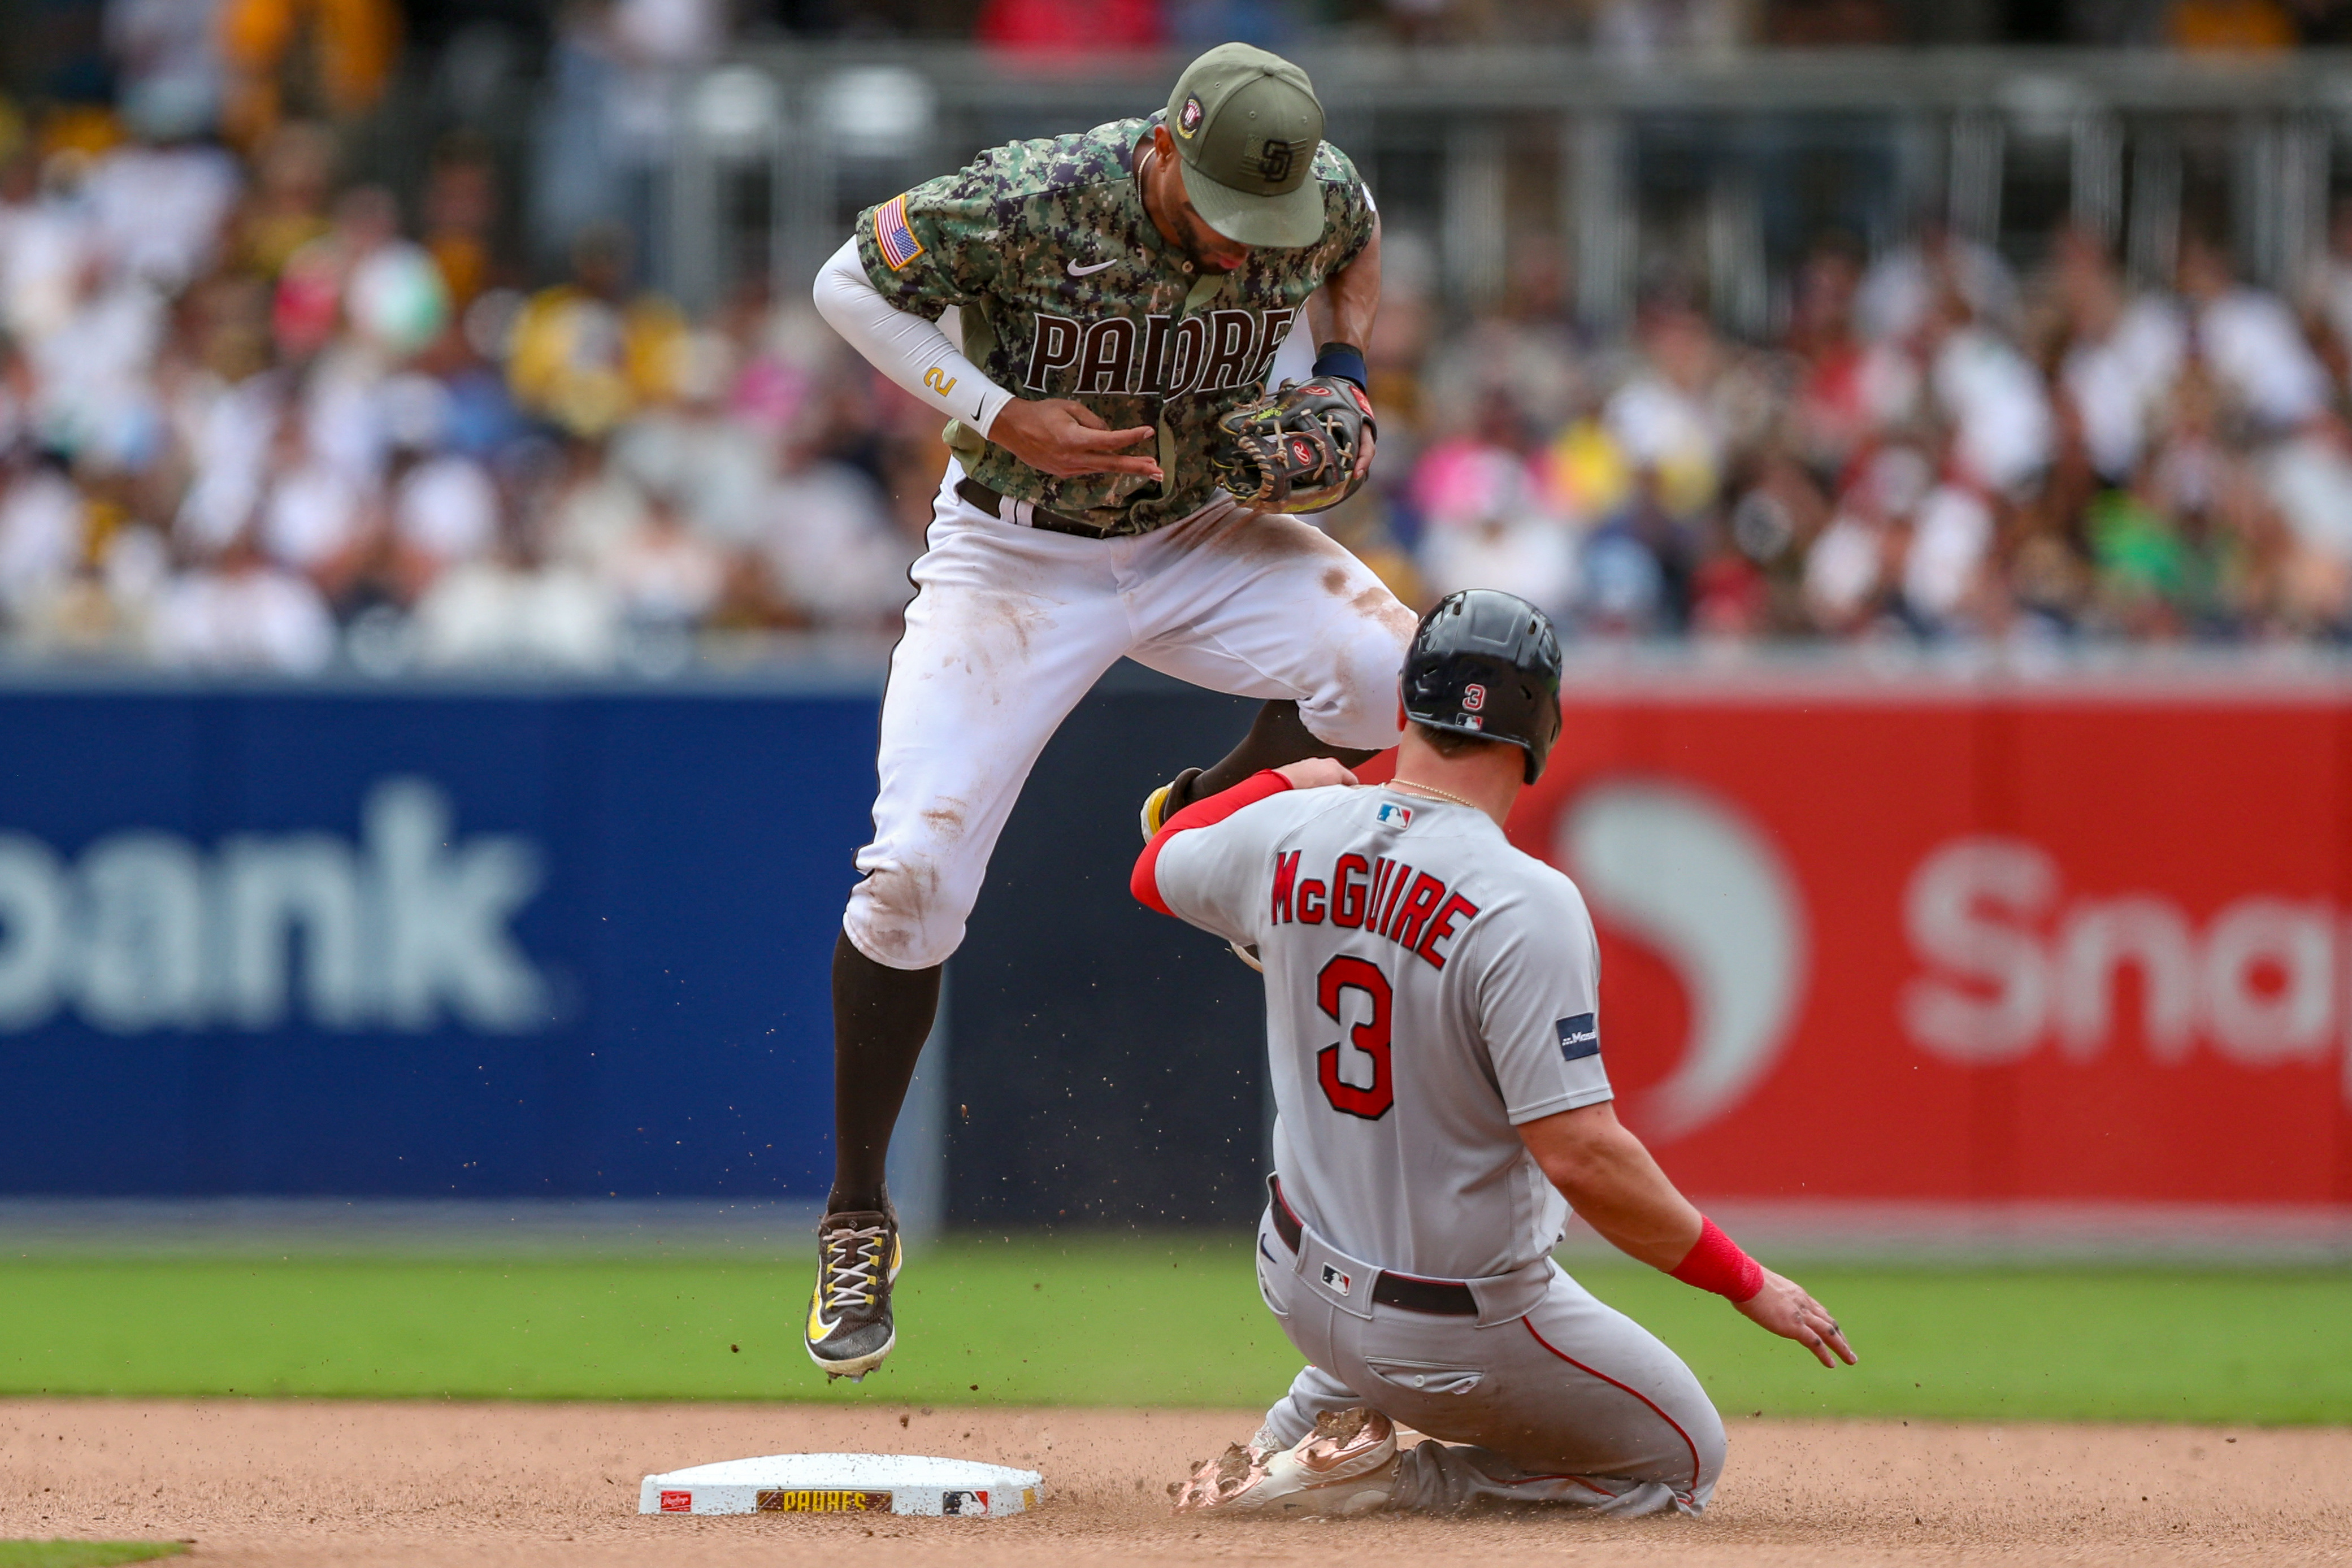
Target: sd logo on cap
{"x": 1247, "y": 125}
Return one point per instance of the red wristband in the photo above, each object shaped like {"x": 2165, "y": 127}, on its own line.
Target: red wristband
{"x": 1715, "y": 1262}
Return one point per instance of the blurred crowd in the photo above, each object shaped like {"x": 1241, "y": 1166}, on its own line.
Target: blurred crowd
{"x": 256, "y": 414}
{"x": 1628, "y": 29}
{"x": 249, "y": 420}
{"x": 1934, "y": 449}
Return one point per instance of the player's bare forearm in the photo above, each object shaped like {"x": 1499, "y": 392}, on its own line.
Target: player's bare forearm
{"x": 1342, "y": 310}
{"x": 1610, "y": 1179}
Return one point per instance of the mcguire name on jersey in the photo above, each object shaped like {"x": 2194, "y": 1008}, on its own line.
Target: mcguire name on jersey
{"x": 1065, "y": 289}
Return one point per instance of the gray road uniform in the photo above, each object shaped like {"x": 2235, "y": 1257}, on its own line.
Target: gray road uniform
{"x": 1428, "y": 989}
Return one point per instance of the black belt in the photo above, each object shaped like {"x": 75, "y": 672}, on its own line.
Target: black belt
{"x": 993, "y": 502}
{"x": 1444, "y": 1298}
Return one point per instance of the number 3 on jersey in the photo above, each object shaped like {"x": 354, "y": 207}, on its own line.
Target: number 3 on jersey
{"x": 1371, "y": 1037}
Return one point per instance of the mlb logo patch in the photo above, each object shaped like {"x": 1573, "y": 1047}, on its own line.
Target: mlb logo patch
{"x": 1391, "y": 815}
{"x": 1580, "y": 1037}
{"x": 1335, "y": 1280}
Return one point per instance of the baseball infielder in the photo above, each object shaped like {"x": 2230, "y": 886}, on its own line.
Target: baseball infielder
{"x": 1433, "y": 1022}
{"x": 1098, "y": 313}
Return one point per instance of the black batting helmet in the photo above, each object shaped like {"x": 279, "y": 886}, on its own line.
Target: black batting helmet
{"x": 1487, "y": 663}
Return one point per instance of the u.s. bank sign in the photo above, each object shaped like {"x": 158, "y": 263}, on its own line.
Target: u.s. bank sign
{"x": 405, "y": 926}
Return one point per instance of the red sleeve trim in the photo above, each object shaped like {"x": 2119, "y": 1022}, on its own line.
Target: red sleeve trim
{"x": 1715, "y": 1262}
{"x": 1145, "y": 882}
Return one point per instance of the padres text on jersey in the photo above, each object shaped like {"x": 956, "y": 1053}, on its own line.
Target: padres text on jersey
{"x": 1065, "y": 290}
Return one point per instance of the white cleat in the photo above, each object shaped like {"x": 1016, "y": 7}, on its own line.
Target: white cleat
{"x": 1347, "y": 1466}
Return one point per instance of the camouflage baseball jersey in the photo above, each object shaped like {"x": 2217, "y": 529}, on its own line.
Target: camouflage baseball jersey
{"x": 1066, "y": 290}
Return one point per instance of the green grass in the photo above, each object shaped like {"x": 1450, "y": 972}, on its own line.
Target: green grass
{"x": 83, "y": 1553}
{"x": 1151, "y": 1320}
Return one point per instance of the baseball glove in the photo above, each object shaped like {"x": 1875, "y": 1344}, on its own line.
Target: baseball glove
{"x": 1301, "y": 449}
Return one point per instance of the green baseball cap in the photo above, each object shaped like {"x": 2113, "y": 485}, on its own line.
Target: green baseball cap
{"x": 1246, "y": 125}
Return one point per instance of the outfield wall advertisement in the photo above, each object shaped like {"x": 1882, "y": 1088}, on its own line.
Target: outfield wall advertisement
{"x": 421, "y": 944}
{"x": 1913, "y": 941}
{"x": 439, "y": 942}
{"x": 2071, "y": 944}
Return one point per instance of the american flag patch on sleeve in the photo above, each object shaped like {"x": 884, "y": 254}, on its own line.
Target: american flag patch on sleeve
{"x": 893, "y": 235}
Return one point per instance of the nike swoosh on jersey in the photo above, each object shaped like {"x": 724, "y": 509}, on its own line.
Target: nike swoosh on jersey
{"x": 1077, "y": 271}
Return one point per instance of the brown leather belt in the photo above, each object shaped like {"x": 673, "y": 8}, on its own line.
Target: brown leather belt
{"x": 1444, "y": 1298}
{"x": 993, "y": 502}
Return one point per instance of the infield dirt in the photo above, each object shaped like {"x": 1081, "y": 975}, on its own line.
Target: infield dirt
{"x": 271, "y": 1483}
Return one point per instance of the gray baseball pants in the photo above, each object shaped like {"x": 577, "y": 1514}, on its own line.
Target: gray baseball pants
{"x": 1546, "y": 1395}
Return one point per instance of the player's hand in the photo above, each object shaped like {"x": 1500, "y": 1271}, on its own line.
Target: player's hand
{"x": 1054, "y": 436}
{"x": 1317, "y": 773}
{"x": 1783, "y": 1307}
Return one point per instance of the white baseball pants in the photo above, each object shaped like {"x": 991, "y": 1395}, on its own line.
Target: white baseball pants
{"x": 1010, "y": 625}
{"x": 1571, "y": 1402}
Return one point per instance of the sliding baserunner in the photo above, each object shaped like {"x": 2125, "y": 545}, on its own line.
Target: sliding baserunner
{"x": 1433, "y": 1024}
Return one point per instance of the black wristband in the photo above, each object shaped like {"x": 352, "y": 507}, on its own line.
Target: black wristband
{"x": 1345, "y": 360}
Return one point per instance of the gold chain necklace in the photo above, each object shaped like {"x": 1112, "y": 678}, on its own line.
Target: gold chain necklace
{"x": 1434, "y": 789}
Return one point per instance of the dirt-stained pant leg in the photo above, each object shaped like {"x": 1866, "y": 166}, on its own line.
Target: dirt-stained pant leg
{"x": 1574, "y": 1403}
{"x": 1264, "y": 605}
{"x": 1009, "y": 628}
